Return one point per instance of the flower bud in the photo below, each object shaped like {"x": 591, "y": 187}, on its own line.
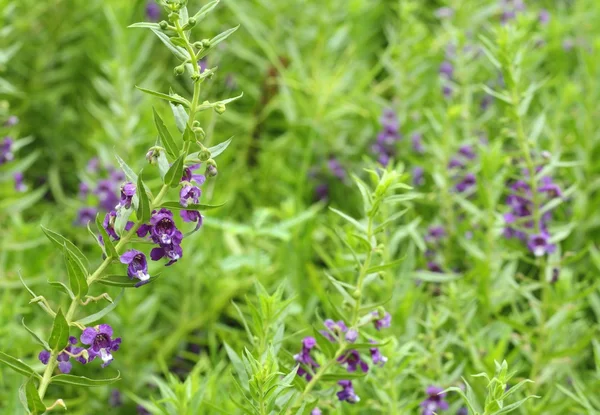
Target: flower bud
{"x": 219, "y": 108}
{"x": 163, "y": 25}
{"x": 179, "y": 70}
{"x": 356, "y": 294}
{"x": 190, "y": 23}
{"x": 205, "y": 43}
{"x": 173, "y": 17}
{"x": 199, "y": 132}
{"x": 152, "y": 155}
{"x": 204, "y": 155}
{"x": 198, "y": 45}
{"x": 211, "y": 171}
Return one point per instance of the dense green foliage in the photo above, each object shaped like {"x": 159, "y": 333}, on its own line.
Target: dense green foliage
{"x": 220, "y": 327}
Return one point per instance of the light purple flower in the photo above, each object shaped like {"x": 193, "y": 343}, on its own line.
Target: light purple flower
{"x": 152, "y": 11}
{"x": 347, "y": 393}
{"x": 447, "y": 70}
{"x": 540, "y": 244}
{"x": 307, "y": 364}
{"x": 334, "y": 329}
{"x": 189, "y": 176}
{"x": 11, "y": 121}
{"x": 384, "y": 322}
{"x": 435, "y": 401}
{"x": 189, "y": 194}
{"x": 417, "y": 143}
{"x": 137, "y": 266}
{"x": 127, "y": 193}
{"x": 376, "y": 356}
{"x": 106, "y": 190}
{"x": 353, "y": 361}
{"x": 86, "y": 215}
{"x": 351, "y": 335}
{"x": 418, "y": 176}
{"x": 20, "y": 185}
{"x": 6, "y": 154}
{"x": 544, "y": 16}
{"x": 101, "y": 344}
{"x": 336, "y": 168}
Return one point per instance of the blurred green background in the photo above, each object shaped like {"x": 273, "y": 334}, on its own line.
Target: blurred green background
{"x": 315, "y": 77}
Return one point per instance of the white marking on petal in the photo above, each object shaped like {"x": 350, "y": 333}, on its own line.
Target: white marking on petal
{"x": 142, "y": 276}
{"x": 106, "y": 357}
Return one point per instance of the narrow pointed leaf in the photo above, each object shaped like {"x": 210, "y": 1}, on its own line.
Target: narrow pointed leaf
{"x": 173, "y": 176}
{"x": 59, "y": 337}
{"x": 61, "y": 287}
{"x": 37, "y": 338}
{"x": 201, "y": 207}
{"x": 205, "y": 10}
{"x": 143, "y": 211}
{"x": 170, "y": 98}
{"x": 77, "y": 274}
{"x": 17, "y": 365}
{"x": 122, "y": 281}
{"x": 165, "y": 135}
{"x": 34, "y": 403}
{"x": 83, "y": 381}
{"x": 61, "y": 242}
{"x": 129, "y": 173}
{"x": 109, "y": 246}
{"x": 97, "y": 316}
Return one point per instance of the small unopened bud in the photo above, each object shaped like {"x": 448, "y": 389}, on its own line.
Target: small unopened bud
{"x": 199, "y": 132}
{"x": 219, "y": 108}
{"x": 205, "y": 43}
{"x": 173, "y": 17}
{"x": 190, "y": 23}
{"x": 211, "y": 171}
{"x": 152, "y": 155}
{"x": 356, "y": 294}
{"x": 179, "y": 70}
{"x": 163, "y": 25}
{"x": 198, "y": 45}
{"x": 204, "y": 155}
{"x": 196, "y": 124}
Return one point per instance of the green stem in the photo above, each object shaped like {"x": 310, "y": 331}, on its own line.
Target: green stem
{"x": 362, "y": 274}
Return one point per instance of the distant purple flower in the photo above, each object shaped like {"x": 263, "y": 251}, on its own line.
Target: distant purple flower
{"x": 466, "y": 183}
{"x": 467, "y": 151}
{"x": 137, "y": 266}
{"x": 11, "y": 121}
{"x": 316, "y": 411}
{"x": 203, "y": 64}
{"x": 568, "y": 44}
{"x": 486, "y": 102}
{"x": 127, "y": 193}
{"x": 548, "y": 186}
{"x": 152, "y": 11}
{"x": 376, "y": 356}
{"x": 93, "y": 165}
{"x": 447, "y": 70}
{"x": 115, "y": 400}
{"x": 101, "y": 343}
{"x": 353, "y": 361}
{"x": 106, "y": 190}
{"x": 540, "y": 244}
{"x": 384, "y": 322}
{"x": 336, "y": 168}
{"x": 322, "y": 192}
{"x": 434, "y": 267}
{"x": 189, "y": 194}
{"x": 447, "y": 90}
{"x": 84, "y": 190}
{"x": 20, "y": 185}
{"x": 418, "y": 174}
{"x": 417, "y": 143}
{"x": 544, "y": 16}
{"x": 462, "y": 411}
{"x": 435, "y": 234}
{"x": 307, "y": 364}
{"x": 351, "y": 335}
{"x": 141, "y": 410}
{"x": 435, "y": 401}
{"x": 384, "y": 146}
{"x": 455, "y": 163}
{"x": 334, "y": 329}
{"x": 444, "y": 12}
{"x": 347, "y": 393}
{"x": 6, "y": 150}
{"x": 86, "y": 215}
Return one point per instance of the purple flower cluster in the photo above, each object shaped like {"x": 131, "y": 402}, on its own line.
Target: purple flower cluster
{"x": 6, "y": 153}
{"x": 435, "y": 401}
{"x": 351, "y": 360}
{"x": 434, "y": 238}
{"x": 107, "y": 189}
{"x": 190, "y": 194}
{"x": 510, "y": 9}
{"x": 333, "y": 169}
{"x": 465, "y": 180}
{"x": 100, "y": 342}
{"x": 446, "y": 72}
{"x": 519, "y": 220}
{"x": 163, "y": 231}
{"x": 385, "y": 145}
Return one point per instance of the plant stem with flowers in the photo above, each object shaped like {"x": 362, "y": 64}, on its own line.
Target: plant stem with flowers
{"x": 153, "y": 219}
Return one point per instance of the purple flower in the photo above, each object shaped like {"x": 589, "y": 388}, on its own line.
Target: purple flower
{"x": 435, "y": 234}
{"x": 203, "y": 64}
{"x": 384, "y": 146}
{"x": 334, "y": 329}
{"x": 347, "y": 393}
{"x": 20, "y": 186}
{"x": 376, "y": 356}
{"x": 316, "y": 411}
{"x": 418, "y": 174}
{"x": 351, "y": 335}
{"x": 6, "y": 150}
{"x": 353, "y": 361}
{"x": 417, "y": 143}
{"x": 137, "y": 266}
{"x": 549, "y": 187}
{"x": 434, "y": 267}
{"x": 115, "y": 400}
{"x": 540, "y": 244}
{"x": 192, "y": 216}
{"x": 127, "y": 193}
{"x": 189, "y": 176}
{"x": 85, "y": 215}
{"x": 101, "y": 344}
{"x": 189, "y": 194}
{"x": 336, "y": 168}
{"x": 466, "y": 183}
{"x": 382, "y": 323}
{"x": 93, "y": 165}
{"x": 544, "y": 16}
{"x": 141, "y": 410}
{"x": 435, "y": 401}
{"x": 64, "y": 365}
{"x": 307, "y": 364}
{"x": 171, "y": 251}
{"x": 107, "y": 195}
{"x": 462, "y": 411}
{"x": 467, "y": 151}
{"x": 109, "y": 224}
{"x": 84, "y": 190}
{"x": 11, "y": 121}
{"x": 447, "y": 91}
{"x": 152, "y": 11}
{"x": 163, "y": 229}
{"x": 446, "y": 70}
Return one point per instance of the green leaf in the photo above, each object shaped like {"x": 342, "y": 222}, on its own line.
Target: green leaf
{"x": 165, "y": 135}
{"x": 205, "y": 10}
{"x": 324, "y": 344}
{"x": 238, "y": 365}
{"x": 61, "y": 287}
{"x": 143, "y": 211}
{"x": 330, "y": 377}
{"x": 349, "y": 219}
{"x": 178, "y": 51}
{"x": 175, "y": 172}
{"x": 34, "y": 403}
{"x": 126, "y": 169}
{"x": 122, "y": 281}
{"x": 188, "y": 134}
{"x": 63, "y": 242}
{"x": 35, "y": 336}
{"x": 59, "y": 337}
{"x": 219, "y": 148}
{"x": 83, "y": 381}
{"x": 17, "y": 365}
{"x": 222, "y": 36}
{"x": 97, "y": 316}
{"x": 77, "y": 274}
{"x": 170, "y": 98}
{"x": 385, "y": 266}
{"x": 23, "y": 398}
{"x": 180, "y": 115}
{"x": 19, "y": 204}
{"x": 177, "y": 206}
{"x": 34, "y": 295}
{"x": 145, "y": 25}
{"x": 109, "y": 246}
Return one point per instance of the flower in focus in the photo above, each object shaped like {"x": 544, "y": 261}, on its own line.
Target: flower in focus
{"x": 435, "y": 401}
{"x": 189, "y": 194}
{"x": 347, "y": 393}
{"x": 137, "y": 266}
{"x": 307, "y": 363}
{"x": 353, "y": 361}
{"x": 63, "y": 363}
{"x": 127, "y": 193}
{"x": 101, "y": 344}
